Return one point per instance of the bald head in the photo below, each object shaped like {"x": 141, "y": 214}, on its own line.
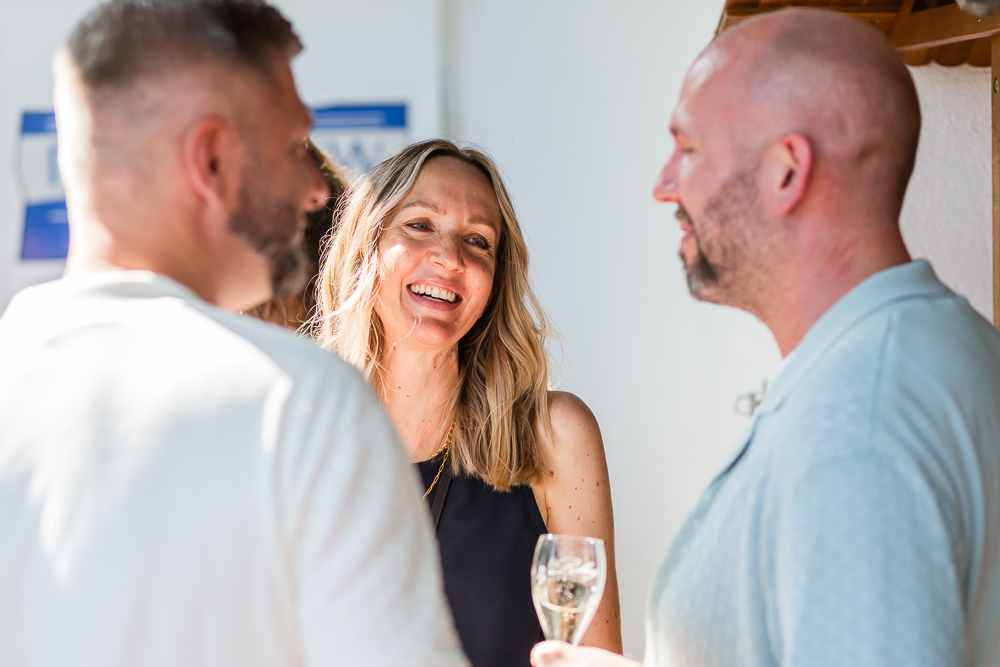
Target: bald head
{"x": 795, "y": 136}
{"x": 830, "y": 77}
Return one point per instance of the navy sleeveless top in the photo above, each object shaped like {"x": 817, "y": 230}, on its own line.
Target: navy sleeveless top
{"x": 487, "y": 540}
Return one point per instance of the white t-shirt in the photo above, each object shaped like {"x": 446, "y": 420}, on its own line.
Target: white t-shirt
{"x": 183, "y": 486}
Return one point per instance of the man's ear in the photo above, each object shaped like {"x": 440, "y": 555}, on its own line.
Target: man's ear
{"x": 212, "y": 158}
{"x": 787, "y": 170}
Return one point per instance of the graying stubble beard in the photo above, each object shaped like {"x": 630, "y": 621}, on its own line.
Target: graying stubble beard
{"x": 735, "y": 214}
{"x": 276, "y": 230}
{"x": 700, "y": 274}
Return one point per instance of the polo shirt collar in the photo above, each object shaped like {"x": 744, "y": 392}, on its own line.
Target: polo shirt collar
{"x": 897, "y": 283}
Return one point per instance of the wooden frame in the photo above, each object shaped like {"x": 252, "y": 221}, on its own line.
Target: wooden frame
{"x": 996, "y": 180}
{"x": 940, "y": 26}
{"x": 880, "y": 17}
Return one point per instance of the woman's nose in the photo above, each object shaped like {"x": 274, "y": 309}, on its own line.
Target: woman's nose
{"x": 448, "y": 253}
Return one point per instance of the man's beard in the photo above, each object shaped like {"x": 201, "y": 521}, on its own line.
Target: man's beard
{"x": 724, "y": 230}
{"x": 275, "y": 229}
{"x": 700, "y": 273}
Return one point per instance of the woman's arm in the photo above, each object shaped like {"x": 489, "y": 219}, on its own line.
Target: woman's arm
{"x": 575, "y": 499}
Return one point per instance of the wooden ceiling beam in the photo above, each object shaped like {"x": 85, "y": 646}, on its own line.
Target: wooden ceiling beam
{"x": 939, "y": 26}
{"x": 881, "y": 17}
{"x": 908, "y": 31}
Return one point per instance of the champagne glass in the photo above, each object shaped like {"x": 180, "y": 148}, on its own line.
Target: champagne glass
{"x": 567, "y": 582}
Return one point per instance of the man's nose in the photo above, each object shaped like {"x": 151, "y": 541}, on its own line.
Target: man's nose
{"x": 665, "y": 189}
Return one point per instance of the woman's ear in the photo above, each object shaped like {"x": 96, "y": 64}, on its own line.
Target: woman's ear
{"x": 787, "y": 169}
{"x": 212, "y": 158}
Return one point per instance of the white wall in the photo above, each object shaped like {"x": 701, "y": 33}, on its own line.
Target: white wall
{"x": 375, "y": 50}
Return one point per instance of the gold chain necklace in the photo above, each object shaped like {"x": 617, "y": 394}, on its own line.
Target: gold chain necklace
{"x": 447, "y": 450}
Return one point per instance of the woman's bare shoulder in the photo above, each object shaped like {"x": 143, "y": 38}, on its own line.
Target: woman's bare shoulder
{"x": 572, "y": 421}
{"x": 575, "y": 443}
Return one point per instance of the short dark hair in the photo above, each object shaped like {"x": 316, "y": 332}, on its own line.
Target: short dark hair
{"x": 123, "y": 40}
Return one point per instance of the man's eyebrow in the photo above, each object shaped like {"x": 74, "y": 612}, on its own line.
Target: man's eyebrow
{"x": 422, "y": 204}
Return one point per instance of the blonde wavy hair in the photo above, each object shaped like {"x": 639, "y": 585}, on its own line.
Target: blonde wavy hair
{"x": 500, "y": 406}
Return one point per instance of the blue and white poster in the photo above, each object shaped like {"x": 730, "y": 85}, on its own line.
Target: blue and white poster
{"x": 356, "y": 136}
{"x": 46, "y": 231}
{"x": 360, "y": 136}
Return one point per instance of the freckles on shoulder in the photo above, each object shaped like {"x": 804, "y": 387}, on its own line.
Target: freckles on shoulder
{"x": 577, "y": 489}
{"x": 575, "y": 449}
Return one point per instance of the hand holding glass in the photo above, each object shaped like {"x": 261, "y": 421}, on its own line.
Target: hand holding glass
{"x": 567, "y": 582}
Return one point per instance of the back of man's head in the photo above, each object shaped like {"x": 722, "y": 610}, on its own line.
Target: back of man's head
{"x": 186, "y": 106}
{"x": 122, "y": 57}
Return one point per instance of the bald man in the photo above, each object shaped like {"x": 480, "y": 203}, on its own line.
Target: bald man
{"x": 181, "y": 485}
{"x": 858, "y": 521}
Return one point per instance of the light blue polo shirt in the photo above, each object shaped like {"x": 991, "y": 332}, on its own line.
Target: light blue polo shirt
{"x": 858, "y": 521}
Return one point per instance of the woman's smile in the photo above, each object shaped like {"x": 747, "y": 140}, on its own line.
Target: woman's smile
{"x": 437, "y": 294}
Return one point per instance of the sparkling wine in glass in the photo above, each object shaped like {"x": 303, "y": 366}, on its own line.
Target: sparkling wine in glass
{"x": 567, "y": 582}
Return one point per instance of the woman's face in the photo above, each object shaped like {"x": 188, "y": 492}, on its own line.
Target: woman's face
{"x": 438, "y": 256}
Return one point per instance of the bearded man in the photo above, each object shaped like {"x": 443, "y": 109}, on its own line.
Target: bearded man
{"x": 858, "y": 521}
{"x": 179, "y": 484}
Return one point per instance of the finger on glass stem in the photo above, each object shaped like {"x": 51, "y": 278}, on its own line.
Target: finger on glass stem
{"x": 549, "y": 653}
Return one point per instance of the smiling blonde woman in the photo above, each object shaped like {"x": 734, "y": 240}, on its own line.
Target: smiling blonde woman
{"x": 424, "y": 287}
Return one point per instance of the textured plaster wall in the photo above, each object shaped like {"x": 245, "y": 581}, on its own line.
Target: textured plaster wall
{"x": 948, "y": 214}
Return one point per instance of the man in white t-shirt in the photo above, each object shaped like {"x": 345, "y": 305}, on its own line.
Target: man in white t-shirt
{"x": 180, "y": 485}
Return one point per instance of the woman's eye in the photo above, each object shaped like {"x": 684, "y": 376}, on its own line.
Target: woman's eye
{"x": 480, "y": 242}
{"x": 418, "y": 225}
